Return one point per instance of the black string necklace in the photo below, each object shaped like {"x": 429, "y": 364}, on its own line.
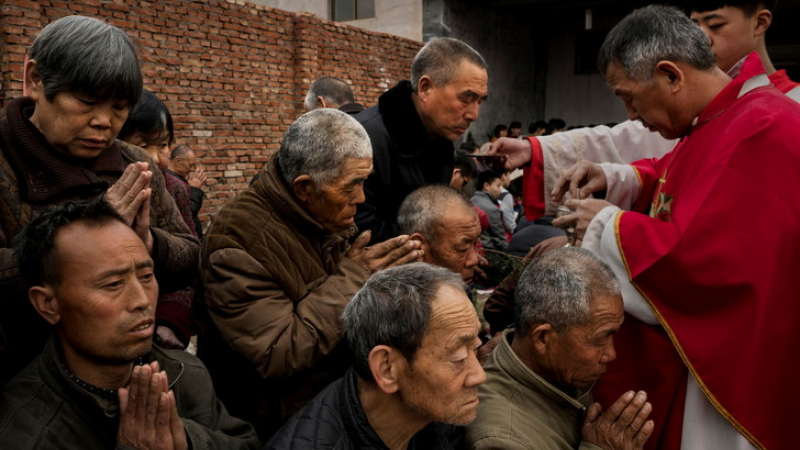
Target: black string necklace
{"x": 110, "y": 395}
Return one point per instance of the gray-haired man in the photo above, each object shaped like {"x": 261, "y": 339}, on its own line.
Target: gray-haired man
{"x": 567, "y": 308}
{"x": 278, "y": 271}
{"x": 332, "y": 92}
{"x": 413, "y": 126}
{"x": 413, "y": 334}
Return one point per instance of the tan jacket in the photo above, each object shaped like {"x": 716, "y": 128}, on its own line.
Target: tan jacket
{"x": 276, "y": 284}
{"x": 519, "y": 410}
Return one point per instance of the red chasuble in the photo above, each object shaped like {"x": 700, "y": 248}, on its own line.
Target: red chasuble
{"x": 716, "y": 259}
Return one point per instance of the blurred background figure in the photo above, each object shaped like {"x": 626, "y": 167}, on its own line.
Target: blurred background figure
{"x": 332, "y": 92}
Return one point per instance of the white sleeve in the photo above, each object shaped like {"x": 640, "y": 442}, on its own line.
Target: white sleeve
{"x": 625, "y": 143}
{"x": 622, "y": 184}
{"x": 601, "y": 238}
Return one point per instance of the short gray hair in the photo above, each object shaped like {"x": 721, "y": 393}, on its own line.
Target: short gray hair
{"x": 652, "y": 34}
{"x": 334, "y": 90}
{"x": 558, "y": 288}
{"x": 422, "y": 211}
{"x": 394, "y": 308}
{"x": 439, "y": 59}
{"x": 318, "y": 144}
{"x": 87, "y": 56}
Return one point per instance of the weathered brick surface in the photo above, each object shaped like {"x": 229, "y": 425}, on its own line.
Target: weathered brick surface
{"x": 234, "y": 74}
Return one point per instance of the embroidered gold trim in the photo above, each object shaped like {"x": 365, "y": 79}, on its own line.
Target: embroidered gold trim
{"x": 678, "y": 347}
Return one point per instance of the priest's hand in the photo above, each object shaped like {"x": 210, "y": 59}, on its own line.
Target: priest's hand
{"x": 130, "y": 196}
{"x": 516, "y": 151}
{"x": 383, "y": 255}
{"x": 148, "y": 418}
{"x": 624, "y": 426}
{"x": 585, "y": 210}
{"x": 580, "y": 180}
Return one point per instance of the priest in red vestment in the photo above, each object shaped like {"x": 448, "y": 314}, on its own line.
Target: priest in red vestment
{"x": 705, "y": 240}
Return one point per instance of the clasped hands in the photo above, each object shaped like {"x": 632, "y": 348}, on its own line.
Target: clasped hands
{"x": 392, "y": 252}
{"x": 130, "y": 196}
{"x": 148, "y": 417}
{"x": 624, "y": 426}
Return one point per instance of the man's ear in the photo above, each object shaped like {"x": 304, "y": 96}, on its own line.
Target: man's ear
{"x": 673, "y": 74}
{"x": 303, "y": 187}
{"x": 386, "y": 365}
{"x": 541, "y": 336}
{"x": 426, "y": 245}
{"x": 424, "y": 87}
{"x": 763, "y": 21}
{"x": 45, "y": 302}
{"x": 33, "y": 81}
{"x": 321, "y": 101}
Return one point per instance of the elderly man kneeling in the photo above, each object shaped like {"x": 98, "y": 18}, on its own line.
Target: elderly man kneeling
{"x": 568, "y": 307}
{"x": 414, "y": 334}
{"x": 278, "y": 270}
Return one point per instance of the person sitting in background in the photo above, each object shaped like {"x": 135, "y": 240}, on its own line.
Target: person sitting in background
{"x": 59, "y": 143}
{"x": 515, "y": 130}
{"x": 486, "y": 198}
{"x": 538, "y": 128}
{"x": 413, "y": 383}
{"x": 446, "y": 224}
{"x": 332, "y": 92}
{"x": 556, "y": 125}
{"x": 463, "y": 171}
{"x": 149, "y": 126}
{"x": 278, "y": 269}
{"x": 500, "y": 130}
{"x": 537, "y": 393}
{"x": 100, "y": 382}
{"x": 183, "y": 166}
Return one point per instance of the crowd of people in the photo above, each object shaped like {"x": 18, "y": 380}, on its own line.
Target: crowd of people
{"x": 333, "y": 300}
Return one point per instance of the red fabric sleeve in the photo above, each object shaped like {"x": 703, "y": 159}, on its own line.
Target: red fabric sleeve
{"x": 533, "y": 183}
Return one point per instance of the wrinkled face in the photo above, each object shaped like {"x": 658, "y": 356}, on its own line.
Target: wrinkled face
{"x": 157, "y": 148}
{"x": 441, "y": 383}
{"x": 648, "y": 102}
{"x": 732, "y": 34}
{"x": 449, "y": 109}
{"x": 77, "y": 125}
{"x": 335, "y": 206}
{"x": 495, "y": 188}
{"x": 185, "y": 164}
{"x": 107, "y": 294}
{"x": 457, "y": 234}
{"x": 577, "y": 357}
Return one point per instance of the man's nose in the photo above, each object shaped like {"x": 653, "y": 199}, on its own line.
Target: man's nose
{"x": 477, "y": 375}
{"x": 609, "y": 353}
{"x": 471, "y": 113}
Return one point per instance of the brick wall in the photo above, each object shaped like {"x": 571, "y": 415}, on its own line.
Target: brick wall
{"x": 233, "y": 74}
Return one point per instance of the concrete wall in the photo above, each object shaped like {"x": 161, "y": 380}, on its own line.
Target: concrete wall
{"x": 516, "y": 68}
{"x": 398, "y": 17}
{"x": 320, "y": 8}
{"x": 577, "y": 99}
{"x": 233, "y": 74}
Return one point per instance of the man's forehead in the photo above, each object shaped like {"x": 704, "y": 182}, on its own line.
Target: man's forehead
{"x": 453, "y": 318}
{"x": 353, "y": 168}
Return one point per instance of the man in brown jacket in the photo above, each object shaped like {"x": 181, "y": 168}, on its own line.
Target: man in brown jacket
{"x": 278, "y": 271}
